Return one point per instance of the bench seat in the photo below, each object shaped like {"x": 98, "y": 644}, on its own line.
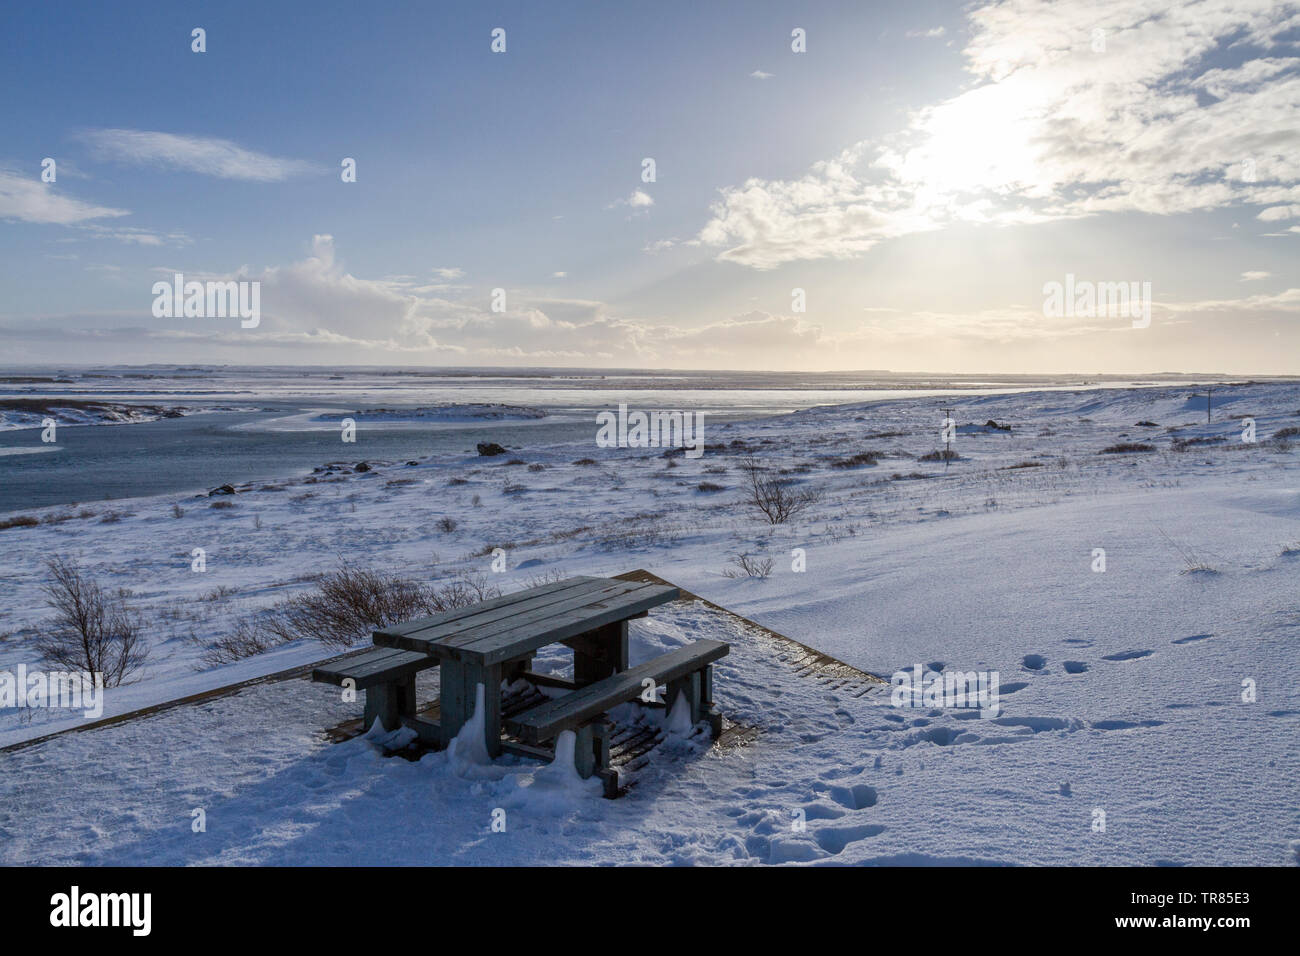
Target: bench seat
{"x": 685, "y": 670}
{"x": 386, "y": 675}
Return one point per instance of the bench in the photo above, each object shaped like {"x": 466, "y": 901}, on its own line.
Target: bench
{"x": 685, "y": 671}
{"x": 388, "y": 678}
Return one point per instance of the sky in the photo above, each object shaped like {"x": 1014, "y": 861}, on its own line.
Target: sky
{"x": 835, "y": 186}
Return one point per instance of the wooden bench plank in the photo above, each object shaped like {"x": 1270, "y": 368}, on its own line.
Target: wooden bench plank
{"x": 531, "y": 635}
{"x": 544, "y": 721}
{"x": 382, "y": 665}
{"x": 590, "y": 590}
{"x": 515, "y": 597}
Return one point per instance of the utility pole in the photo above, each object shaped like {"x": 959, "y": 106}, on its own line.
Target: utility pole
{"x": 1208, "y": 392}
{"x": 949, "y": 433}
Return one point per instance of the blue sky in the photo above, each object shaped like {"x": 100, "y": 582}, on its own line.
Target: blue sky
{"x": 920, "y": 172}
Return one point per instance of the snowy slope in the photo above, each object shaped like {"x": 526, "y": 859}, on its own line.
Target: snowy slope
{"x": 1121, "y": 690}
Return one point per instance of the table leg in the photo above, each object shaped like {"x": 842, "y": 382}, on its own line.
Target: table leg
{"x": 459, "y": 697}
{"x": 599, "y": 653}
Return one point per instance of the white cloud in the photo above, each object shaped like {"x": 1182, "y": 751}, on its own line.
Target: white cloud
{"x": 27, "y": 199}
{"x": 451, "y": 272}
{"x": 639, "y": 200}
{"x": 1276, "y": 213}
{"x": 199, "y": 154}
{"x": 760, "y": 75}
{"x": 1050, "y": 130}
{"x": 932, "y": 32}
{"x": 1254, "y": 276}
{"x": 559, "y": 275}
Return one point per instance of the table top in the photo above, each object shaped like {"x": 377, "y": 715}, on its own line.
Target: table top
{"x": 508, "y": 627}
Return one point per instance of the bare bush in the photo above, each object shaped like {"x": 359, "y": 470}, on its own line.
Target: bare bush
{"x": 748, "y": 566}
{"x": 777, "y": 499}
{"x": 350, "y": 602}
{"x": 447, "y": 524}
{"x": 251, "y": 636}
{"x": 92, "y": 630}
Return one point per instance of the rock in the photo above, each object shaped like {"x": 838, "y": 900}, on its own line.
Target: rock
{"x": 488, "y": 448}
{"x": 223, "y": 490}
{"x": 362, "y": 466}
{"x": 412, "y": 463}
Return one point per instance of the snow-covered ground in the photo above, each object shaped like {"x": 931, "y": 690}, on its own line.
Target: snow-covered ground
{"x": 1121, "y": 689}
{"x": 18, "y": 414}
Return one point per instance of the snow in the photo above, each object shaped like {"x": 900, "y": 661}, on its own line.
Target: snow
{"x": 1123, "y": 691}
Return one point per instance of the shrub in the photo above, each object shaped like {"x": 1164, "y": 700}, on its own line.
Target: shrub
{"x": 747, "y": 566}
{"x": 777, "y": 499}
{"x": 350, "y": 602}
{"x": 708, "y": 486}
{"x": 19, "y": 521}
{"x": 537, "y": 466}
{"x": 91, "y": 630}
{"x": 1124, "y": 448}
{"x": 585, "y": 461}
{"x": 943, "y": 454}
{"x": 447, "y": 524}
{"x": 861, "y": 458}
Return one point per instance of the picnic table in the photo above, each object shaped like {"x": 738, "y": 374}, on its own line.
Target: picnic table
{"x": 496, "y": 640}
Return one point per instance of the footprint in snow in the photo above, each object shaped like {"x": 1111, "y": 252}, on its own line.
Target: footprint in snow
{"x": 1127, "y": 655}
{"x": 1193, "y": 638}
{"x": 1035, "y": 662}
{"x": 834, "y": 839}
{"x": 1125, "y": 724}
{"x": 857, "y": 797}
{"x": 1074, "y": 667}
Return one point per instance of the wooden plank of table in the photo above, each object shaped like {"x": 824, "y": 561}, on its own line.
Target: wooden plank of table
{"x": 461, "y": 632}
{"x": 515, "y": 597}
{"x": 538, "y": 632}
{"x": 535, "y": 614}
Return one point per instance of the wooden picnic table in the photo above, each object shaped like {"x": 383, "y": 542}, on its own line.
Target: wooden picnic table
{"x": 498, "y": 638}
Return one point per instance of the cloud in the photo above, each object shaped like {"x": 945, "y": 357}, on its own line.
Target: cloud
{"x": 932, "y": 32}
{"x": 451, "y": 272}
{"x": 1254, "y": 276}
{"x": 198, "y": 154}
{"x": 1051, "y": 130}
{"x": 559, "y": 275}
{"x": 639, "y": 200}
{"x": 760, "y": 75}
{"x": 27, "y": 199}
{"x": 1276, "y": 213}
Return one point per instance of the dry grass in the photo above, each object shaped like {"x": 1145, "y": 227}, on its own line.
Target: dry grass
{"x": 1124, "y": 448}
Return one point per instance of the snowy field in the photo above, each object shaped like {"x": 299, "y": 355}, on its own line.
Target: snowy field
{"x": 1121, "y": 689}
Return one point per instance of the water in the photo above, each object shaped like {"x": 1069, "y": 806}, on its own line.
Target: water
{"x": 271, "y": 435}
